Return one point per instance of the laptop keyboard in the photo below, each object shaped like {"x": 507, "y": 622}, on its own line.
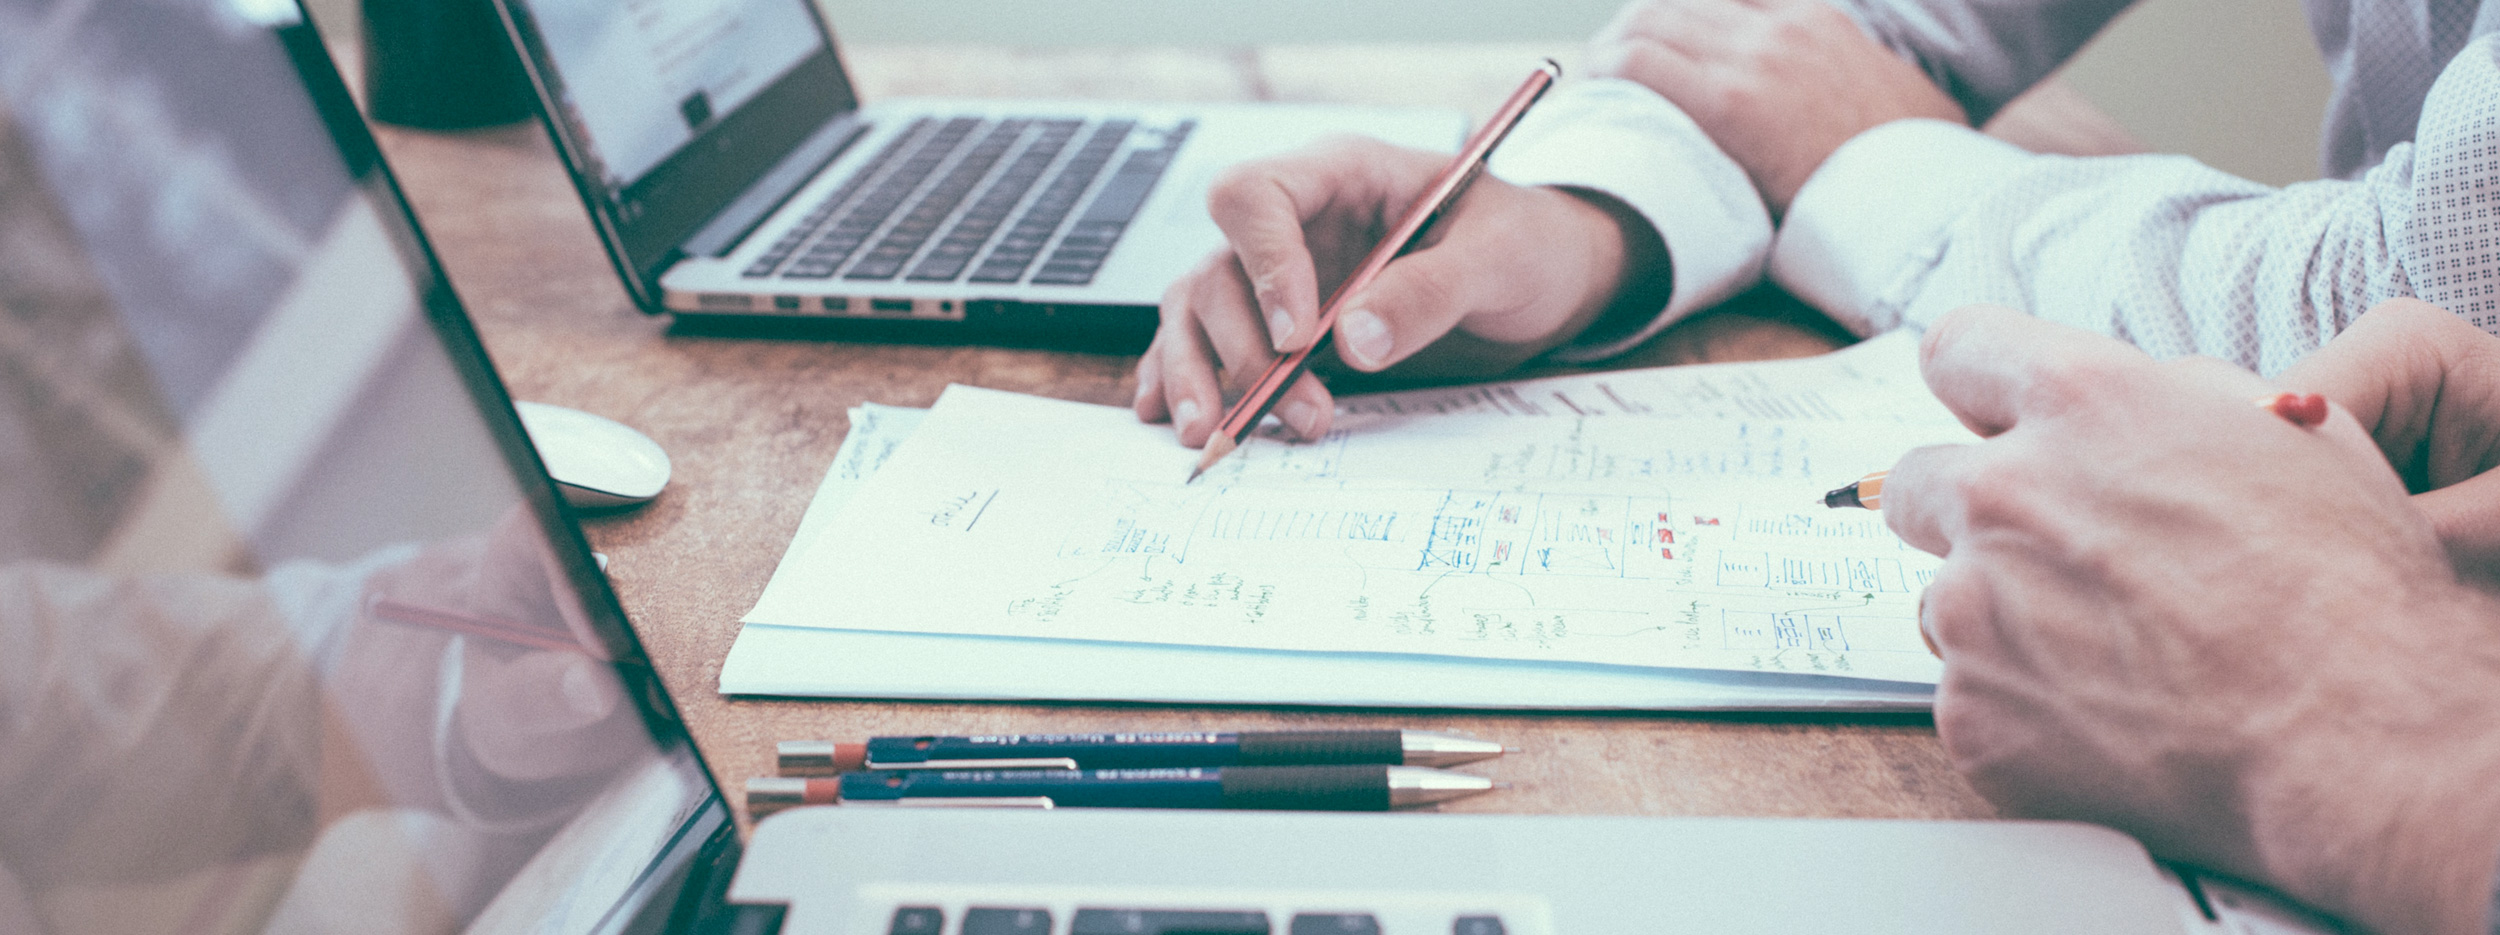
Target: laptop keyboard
{"x": 903, "y": 214}
{"x": 985, "y": 920}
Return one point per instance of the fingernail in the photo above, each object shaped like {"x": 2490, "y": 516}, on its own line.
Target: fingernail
{"x": 1143, "y": 388}
{"x": 1184, "y": 414}
{"x": 1280, "y": 328}
{"x": 1302, "y": 416}
{"x": 1367, "y": 336}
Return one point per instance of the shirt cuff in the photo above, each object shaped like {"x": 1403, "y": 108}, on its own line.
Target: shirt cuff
{"x": 1870, "y": 222}
{"x": 1618, "y": 138}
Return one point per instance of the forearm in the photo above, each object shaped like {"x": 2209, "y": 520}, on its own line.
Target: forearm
{"x": 1622, "y": 147}
{"x": 1913, "y": 219}
{"x": 2407, "y": 839}
{"x": 1983, "y": 52}
{"x": 120, "y": 699}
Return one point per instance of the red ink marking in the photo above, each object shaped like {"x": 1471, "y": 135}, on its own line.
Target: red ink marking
{"x": 1668, "y": 554}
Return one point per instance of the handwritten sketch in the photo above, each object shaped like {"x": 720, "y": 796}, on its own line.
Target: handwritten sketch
{"x": 1660, "y": 520}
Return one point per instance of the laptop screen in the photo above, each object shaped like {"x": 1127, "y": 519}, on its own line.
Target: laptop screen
{"x": 644, "y": 78}
{"x": 668, "y": 112}
{"x": 293, "y": 634}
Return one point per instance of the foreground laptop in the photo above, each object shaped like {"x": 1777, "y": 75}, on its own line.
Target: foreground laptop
{"x": 733, "y": 173}
{"x": 299, "y": 638}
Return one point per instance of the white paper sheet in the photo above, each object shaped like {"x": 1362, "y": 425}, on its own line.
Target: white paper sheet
{"x": 807, "y": 662}
{"x": 1540, "y": 554}
{"x": 815, "y": 662}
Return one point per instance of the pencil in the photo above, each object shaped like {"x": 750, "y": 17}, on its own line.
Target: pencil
{"x": 528, "y": 637}
{"x": 1445, "y": 191}
{"x": 1866, "y": 492}
{"x": 2305, "y": 410}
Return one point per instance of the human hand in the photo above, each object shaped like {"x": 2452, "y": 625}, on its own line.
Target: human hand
{"x": 1506, "y": 274}
{"x": 2166, "y": 610}
{"x": 2427, "y": 387}
{"x": 535, "y": 704}
{"x": 1778, "y": 84}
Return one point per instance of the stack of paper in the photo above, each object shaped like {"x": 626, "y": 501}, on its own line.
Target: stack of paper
{"x": 1634, "y": 539}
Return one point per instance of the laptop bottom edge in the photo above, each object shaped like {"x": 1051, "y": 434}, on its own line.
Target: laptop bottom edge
{"x": 1106, "y": 329}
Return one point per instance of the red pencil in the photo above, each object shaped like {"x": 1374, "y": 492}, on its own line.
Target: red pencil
{"x": 528, "y": 637}
{"x": 1453, "y": 182}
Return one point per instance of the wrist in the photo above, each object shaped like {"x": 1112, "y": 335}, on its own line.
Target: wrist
{"x": 1588, "y": 249}
{"x": 1632, "y": 287}
{"x": 2392, "y": 818}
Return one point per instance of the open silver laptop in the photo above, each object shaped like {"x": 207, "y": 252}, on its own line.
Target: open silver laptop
{"x": 733, "y": 171}
{"x": 299, "y": 637}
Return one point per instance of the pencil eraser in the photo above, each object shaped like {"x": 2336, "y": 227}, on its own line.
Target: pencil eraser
{"x": 819, "y": 757}
{"x": 769, "y": 794}
{"x": 850, "y": 756}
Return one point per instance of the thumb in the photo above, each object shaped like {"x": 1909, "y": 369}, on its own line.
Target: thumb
{"x": 539, "y": 715}
{"x": 1413, "y": 303}
{"x": 2466, "y": 515}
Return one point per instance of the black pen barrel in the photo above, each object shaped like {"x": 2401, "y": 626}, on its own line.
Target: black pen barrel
{"x": 1321, "y": 747}
{"x": 1358, "y": 788}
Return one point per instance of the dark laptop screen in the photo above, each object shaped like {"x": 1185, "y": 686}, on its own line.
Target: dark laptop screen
{"x": 293, "y": 634}
{"x": 666, "y": 112}
{"x": 643, "y": 78}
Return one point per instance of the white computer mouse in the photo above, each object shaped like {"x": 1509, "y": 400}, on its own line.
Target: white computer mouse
{"x": 596, "y": 462}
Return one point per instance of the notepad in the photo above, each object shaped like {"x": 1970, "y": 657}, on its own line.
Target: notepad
{"x": 1628, "y": 539}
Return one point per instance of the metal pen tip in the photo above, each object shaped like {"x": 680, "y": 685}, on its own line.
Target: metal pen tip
{"x": 1423, "y": 785}
{"x": 1441, "y": 748}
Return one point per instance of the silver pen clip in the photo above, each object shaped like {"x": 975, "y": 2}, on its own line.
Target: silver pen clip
{"x": 1051, "y": 762}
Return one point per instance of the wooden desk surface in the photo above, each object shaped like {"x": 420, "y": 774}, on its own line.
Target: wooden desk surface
{"x": 752, "y": 424}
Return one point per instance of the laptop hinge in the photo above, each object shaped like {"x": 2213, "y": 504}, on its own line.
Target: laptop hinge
{"x": 739, "y": 218}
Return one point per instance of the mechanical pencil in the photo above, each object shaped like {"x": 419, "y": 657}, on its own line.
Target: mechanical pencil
{"x": 1137, "y": 749}
{"x": 2306, "y": 410}
{"x": 1371, "y": 787}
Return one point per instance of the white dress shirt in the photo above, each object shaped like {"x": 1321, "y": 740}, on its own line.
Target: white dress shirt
{"x": 1914, "y": 218}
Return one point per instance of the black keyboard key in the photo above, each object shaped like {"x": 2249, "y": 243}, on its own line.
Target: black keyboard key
{"x": 1477, "y": 925}
{"x": 917, "y": 920}
{"x": 1338, "y": 923}
{"x": 982, "y": 220}
{"x": 1066, "y": 274}
{"x": 981, "y": 921}
{"x": 1016, "y": 251}
{"x": 889, "y": 194}
{"x": 807, "y": 226}
{"x": 905, "y": 239}
{"x": 1081, "y": 253}
{"x": 1166, "y": 922}
{"x": 1126, "y": 192}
